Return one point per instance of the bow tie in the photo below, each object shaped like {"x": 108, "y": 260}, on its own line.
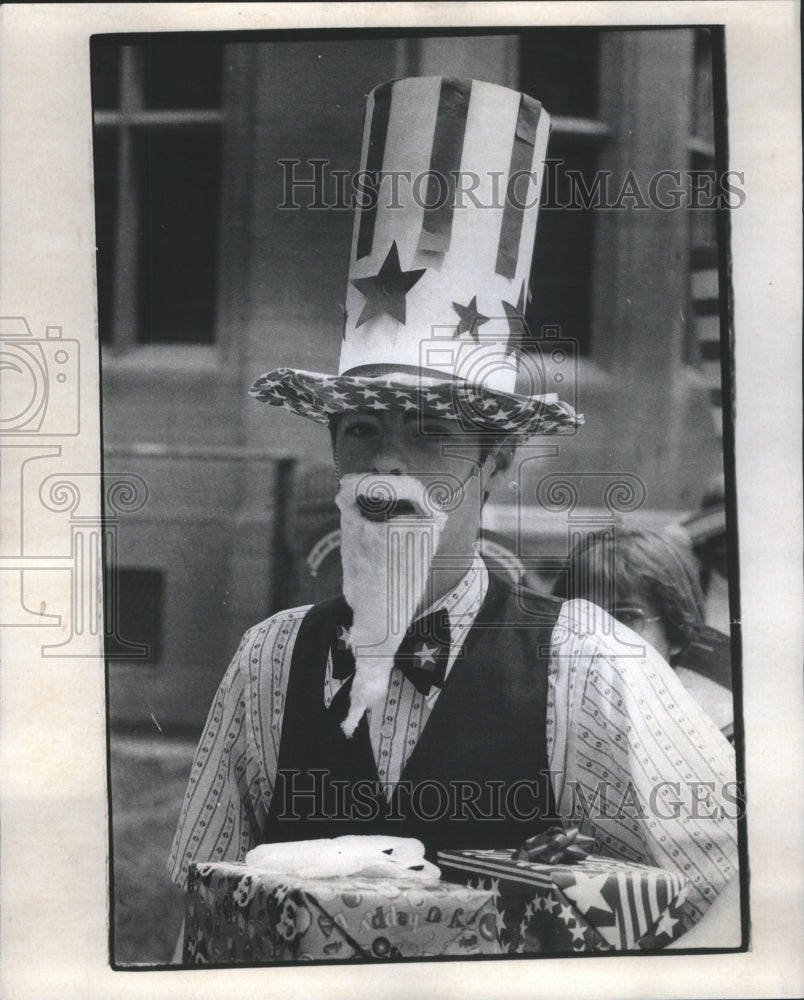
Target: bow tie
{"x": 422, "y": 656}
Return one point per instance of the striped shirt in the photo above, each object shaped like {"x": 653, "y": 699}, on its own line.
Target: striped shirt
{"x": 633, "y": 758}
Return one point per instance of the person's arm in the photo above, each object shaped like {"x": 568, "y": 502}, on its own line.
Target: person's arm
{"x": 234, "y": 770}
{"x": 216, "y": 822}
{"x": 200, "y": 831}
{"x": 622, "y": 725}
{"x": 228, "y": 791}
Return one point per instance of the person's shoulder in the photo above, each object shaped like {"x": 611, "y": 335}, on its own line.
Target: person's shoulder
{"x": 587, "y": 637}
{"x": 287, "y": 616}
{"x": 264, "y": 632}
{"x": 526, "y": 599}
{"x": 291, "y": 619}
{"x": 584, "y": 629}
{"x": 583, "y": 618}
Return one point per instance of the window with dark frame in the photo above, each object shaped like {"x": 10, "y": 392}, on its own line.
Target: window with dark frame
{"x": 157, "y": 145}
{"x": 158, "y": 123}
{"x": 559, "y": 67}
{"x": 159, "y": 118}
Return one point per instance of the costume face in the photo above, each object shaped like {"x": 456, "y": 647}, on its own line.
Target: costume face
{"x": 431, "y": 449}
{"x": 410, "y": 500}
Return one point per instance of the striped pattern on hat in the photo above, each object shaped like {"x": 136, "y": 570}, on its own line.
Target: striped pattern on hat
{"x": 449, "y": 185}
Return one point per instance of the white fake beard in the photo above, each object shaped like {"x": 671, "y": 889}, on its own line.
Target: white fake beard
{"x": 386, "y": 567}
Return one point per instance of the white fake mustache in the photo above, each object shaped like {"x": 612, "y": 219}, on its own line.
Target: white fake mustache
{"x": 382, "y": 498}
{"x": 389, "y": 534}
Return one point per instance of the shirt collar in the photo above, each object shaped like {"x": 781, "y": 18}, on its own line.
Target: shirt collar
{"x": 462, "y": 602}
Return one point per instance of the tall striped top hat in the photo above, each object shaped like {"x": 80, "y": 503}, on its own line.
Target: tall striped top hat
{"x": 441, "y": 255}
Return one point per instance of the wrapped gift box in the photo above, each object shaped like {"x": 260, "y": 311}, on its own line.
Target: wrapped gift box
{"x": 239, "y": 914}
{"x": 593, "y": 905}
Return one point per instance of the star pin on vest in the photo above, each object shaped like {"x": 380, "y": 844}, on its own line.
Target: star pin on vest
{"x": 439, "y": 267}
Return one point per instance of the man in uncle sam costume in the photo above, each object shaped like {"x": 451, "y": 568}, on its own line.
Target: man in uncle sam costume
{"x": 431, "y": 700}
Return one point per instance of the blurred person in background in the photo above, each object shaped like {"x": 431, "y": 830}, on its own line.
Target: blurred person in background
{"x": 649, "y": 581}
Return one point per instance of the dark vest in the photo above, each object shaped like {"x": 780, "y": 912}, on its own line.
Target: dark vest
{"x": 477, "y": 776}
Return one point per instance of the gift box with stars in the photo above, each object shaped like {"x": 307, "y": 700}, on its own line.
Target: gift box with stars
{"x": 240, "y": 915}
{"x": 596, "y": 904}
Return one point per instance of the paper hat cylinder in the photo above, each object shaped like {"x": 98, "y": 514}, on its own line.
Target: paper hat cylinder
{"x": 448, "y": 195}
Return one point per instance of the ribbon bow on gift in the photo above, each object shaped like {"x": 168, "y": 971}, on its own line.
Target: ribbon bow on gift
{"x": 555, "y": 846}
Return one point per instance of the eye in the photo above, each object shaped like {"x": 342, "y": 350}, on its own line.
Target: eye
{"x": 632, "y": 617}
{"x": 360, "y": 427}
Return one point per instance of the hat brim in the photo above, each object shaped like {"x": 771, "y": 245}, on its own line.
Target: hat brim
{"x": 318, "y": 396}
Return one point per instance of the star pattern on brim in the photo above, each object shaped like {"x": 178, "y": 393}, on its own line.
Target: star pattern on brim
{"x": 469, "y": 319}
{"x": 385, "y": 291}
{"x": 315, "y": 396}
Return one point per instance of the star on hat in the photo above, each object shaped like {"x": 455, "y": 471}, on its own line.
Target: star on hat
{"x": 469, "y": 319}
{"x": 390, "y": 342}
{"x": 517, "y": 327}
{"x": 385, "y": 291}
